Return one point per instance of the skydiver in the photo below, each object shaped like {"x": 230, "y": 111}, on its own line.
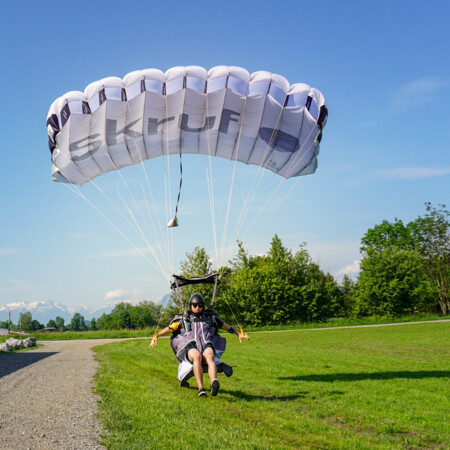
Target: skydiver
{"x": 195, "y": 337}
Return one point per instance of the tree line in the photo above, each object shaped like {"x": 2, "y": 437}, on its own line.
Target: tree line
{"x": 405, "y": 269}
{"x": 124, "y": 315}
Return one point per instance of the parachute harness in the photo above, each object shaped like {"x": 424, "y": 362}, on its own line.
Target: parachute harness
{"x": 214, "y": 278}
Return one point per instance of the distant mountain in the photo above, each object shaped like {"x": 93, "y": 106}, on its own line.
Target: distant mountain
{"x": 164, "y": 301}
{"x": 43, "y": 311}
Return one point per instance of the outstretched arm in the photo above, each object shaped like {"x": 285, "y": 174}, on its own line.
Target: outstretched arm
{"x": 231, "y": 330}
{"x": 163, "y": 332}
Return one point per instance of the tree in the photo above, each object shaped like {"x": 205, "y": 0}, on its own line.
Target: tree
{"x": 154, "y": 310}
{"x": 77, "y": 323}
{"x": 391, "y": 283}
{"x": 25, "y": 321}
{"x": 321, "y": 295}
{"x": 59, "y": 323}
{"x": 103, "y": 322}
{"x": 125, "y": 315}
{"x": 196, "y": 264}
{"x": 280, "y": 287}
{"x": 93, "y": 324}
{"x": 428, "y": 237}
{"x": 121, "y": 315}
{"x": 51, "y": 324}
{"x": 432, "y": 234}
{"x": 387, "y": 234}
{"x": 348, "y": 289}
{"x": 242, "y": 260}
{"x": 35, "y": 325}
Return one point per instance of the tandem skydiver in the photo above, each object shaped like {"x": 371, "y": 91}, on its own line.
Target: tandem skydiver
{"x": 195, "y": 341}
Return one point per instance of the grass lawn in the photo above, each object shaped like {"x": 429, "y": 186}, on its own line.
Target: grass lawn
{"x": 385, "y": 387}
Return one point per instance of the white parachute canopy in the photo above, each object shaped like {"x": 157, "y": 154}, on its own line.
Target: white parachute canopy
{"x": 256, "y": 119}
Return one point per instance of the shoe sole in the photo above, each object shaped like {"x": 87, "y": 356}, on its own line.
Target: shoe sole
{"x": 215, "y": 386}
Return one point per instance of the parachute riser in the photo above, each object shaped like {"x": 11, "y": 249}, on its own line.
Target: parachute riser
{"x": 179, "y": 295}
{"x": 177, "y": 291}
{"x": 216, "y": 286}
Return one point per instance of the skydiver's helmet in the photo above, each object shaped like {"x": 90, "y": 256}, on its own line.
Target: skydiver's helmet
{"x": 197, "y": 299}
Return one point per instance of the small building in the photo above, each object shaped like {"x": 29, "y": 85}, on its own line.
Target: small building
{"x": 48, "y": 329}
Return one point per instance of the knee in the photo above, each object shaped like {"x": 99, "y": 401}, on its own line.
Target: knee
{"x": 209, "y": 357}
{"x": 196, "y": 357}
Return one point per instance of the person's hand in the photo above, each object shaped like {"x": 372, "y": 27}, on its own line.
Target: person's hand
{"x": 243, "y": 335}
{"x": 154, "y": 341}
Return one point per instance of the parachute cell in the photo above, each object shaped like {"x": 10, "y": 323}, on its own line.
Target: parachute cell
{"x": 254, "y": 118}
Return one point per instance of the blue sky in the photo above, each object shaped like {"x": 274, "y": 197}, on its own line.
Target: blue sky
{"x": 382, "y": 66}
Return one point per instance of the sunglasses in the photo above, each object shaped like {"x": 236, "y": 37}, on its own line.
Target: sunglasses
{"x": 195, "y": 305}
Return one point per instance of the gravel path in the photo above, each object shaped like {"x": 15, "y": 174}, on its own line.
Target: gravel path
{"x": 46, "y": 399}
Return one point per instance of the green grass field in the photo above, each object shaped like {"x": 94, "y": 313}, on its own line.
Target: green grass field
{"x": 385, "y": 387}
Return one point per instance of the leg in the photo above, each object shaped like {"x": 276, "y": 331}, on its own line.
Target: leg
{"x": 196, "y": 359}
{"x": 208, "y": 356}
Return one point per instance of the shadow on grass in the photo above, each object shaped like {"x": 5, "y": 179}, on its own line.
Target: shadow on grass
{"x": 327, "y": 378}
{"x": 11, "y": 362}
{"x": 268, "y": 397}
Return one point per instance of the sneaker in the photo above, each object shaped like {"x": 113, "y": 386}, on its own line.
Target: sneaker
{"x": 202, "y": 393}
{"x": 215, "y": 386}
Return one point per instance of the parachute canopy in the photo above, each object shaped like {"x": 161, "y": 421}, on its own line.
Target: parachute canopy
{"x": 254, "y": 118}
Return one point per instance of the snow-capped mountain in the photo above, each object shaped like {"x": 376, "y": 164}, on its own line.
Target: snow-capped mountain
{"x": 43, "y": 311}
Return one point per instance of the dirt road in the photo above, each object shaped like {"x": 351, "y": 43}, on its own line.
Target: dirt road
{"x": 46, "y": 399}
